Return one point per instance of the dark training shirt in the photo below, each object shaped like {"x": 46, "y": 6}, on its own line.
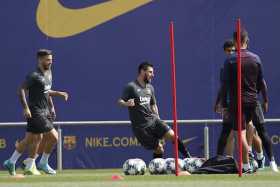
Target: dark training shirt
{"x": 141, "y": 114}
{"x": 252, "y": 76}
{"x": 38, "y": 86}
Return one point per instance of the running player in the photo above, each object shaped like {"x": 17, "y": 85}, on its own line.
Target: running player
{"x": 39, "y": 113}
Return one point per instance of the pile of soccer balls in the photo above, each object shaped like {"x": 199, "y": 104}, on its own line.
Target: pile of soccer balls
{"x": 160, "y": 166}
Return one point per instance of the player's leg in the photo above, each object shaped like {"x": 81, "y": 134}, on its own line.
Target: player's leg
{"x": 162, "y": 129}
{"x": 230, "y": 145}
{"x": 33, "y": 143}
{"x": 147, "y": 139}
{"x": 224, "y": 137}
{"x": 258, "y": 121}
{"x": 50, "y": 139}
{"x": 37, "y": 125}
{"x": 245, "y": 156}
{"x": 158, "y": 151}
{"x": 250, "y": 131}
{"x": 19, "y": 149}
{"x": 257, "y": 144}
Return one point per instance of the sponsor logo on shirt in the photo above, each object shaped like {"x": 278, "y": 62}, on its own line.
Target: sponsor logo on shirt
{"x": 144, "y": 100}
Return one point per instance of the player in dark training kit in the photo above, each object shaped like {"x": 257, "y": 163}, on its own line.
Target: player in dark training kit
{"x": 139, "y": 97}
{"x": 39, "y": 113}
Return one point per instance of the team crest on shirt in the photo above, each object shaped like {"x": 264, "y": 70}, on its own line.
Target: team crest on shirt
{"x": 69, "y": 142}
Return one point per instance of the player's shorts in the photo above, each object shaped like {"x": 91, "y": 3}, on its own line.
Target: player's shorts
{"x": 150, "y": 136}
{"x": 248, "y": 112}
{"x": 39, "y": 123}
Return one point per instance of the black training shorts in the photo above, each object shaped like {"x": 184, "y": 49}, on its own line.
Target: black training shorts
{"x": 40, "y": 122}
{"x": 248, "y": 112}
{"x": 150, "y": 135}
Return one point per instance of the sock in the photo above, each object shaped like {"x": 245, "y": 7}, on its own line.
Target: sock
{"x": 182, "y": 149}
{"x": 157, "y": 155}
{"x": 272, "y": 159}
{"x": 246, "y": 166}
{"x": 260, "y": 155}
{"x": 29, "y": 163}
{"x": 15, "y": 156}
{"x": 44, "y": 158}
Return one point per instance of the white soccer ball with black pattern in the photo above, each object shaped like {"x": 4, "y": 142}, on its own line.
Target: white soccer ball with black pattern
{"x": 169, "y": 166}
{"x": 156, "y": 166}
{"x": 134, "y": 167}
{"x": 192, "y": 164}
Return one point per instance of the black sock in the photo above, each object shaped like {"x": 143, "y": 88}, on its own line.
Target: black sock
{"x": 182, "y": 149}
{"x": 157, "y": 155}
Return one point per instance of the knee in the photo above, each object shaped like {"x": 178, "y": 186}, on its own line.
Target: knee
{"x": 52, "y": 136}
{"x": 169, "y": 135}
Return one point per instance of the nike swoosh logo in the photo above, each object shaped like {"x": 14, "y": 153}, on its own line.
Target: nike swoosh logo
{"x": 57, "y": 21}
{"x": 188, "y": 140}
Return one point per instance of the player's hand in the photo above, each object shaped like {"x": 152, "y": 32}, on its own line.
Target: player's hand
{"x": 52, "y": 114}
{"x": 218, "y": 108}
{"x": 27, "y": 113}
{"x": 265, "y": 107}
{"x": 64, "y": 95}
{"x": 130, "y": 103}
{"x": 225, "y": 113}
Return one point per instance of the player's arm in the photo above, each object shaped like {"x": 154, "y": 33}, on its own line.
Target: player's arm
{"x": 51, "y": 107}
{"x": 22, "y": 97}
{"x": 263, "y": 87}
{"x": 224, "y": 87}
{"x": 64, "y": 95}
{"x": 217, "y": 107}
{"x": 155, "y": 110}
{"x": 126, "y": 99}
{"x": 153, "y": 103}
{"x": 264, "y": 95}
{"x": 128, "y": 103}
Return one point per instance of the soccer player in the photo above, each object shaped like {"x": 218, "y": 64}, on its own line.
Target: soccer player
{"x": 252, "y": 75}
{"x": 139, "y": 97}
{"x": 226, "y": 140}
{"x": 226, "y": 137}
{"x": 39, "y": 113}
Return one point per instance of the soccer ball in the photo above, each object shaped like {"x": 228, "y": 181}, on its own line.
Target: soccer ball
{"x": 192, "y": 164}
{"x": 134, "y": 167}
{"x": 169, "y": 166}
{"x": 156, "y": 166}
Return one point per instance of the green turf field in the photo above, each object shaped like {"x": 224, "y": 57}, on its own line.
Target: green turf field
{"x": 89, "y": 178}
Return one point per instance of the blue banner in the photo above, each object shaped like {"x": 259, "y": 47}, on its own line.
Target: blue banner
{"x": 108, "y": 146}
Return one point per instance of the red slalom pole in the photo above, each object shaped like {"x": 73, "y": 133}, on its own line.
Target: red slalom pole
{"x": 174, "y": 99}
{"x": 239, "y": 94}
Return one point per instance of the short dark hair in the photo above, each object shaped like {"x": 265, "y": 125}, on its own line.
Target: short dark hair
{"x": 228, "y": 44}
{"x": 243, "y": 35}
{"x": 43, "y": 52}
{"x": 144, "y": 66}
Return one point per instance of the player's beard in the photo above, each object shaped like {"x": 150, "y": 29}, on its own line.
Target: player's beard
{"x": 146, "y": 80}
{"x": 47, "y": 67}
